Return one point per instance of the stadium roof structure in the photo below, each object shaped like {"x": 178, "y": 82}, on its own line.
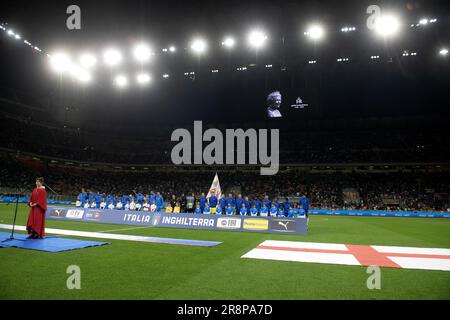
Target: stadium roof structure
{"x": 321, "y": 52}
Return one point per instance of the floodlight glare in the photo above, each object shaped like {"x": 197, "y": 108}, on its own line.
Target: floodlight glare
{"x": 443, "y": 52}
{"x": 143, "y": 78}
{"x": 423, "y": 21}
{"x": 112, "y": 57}
{"x": 121, "y": 81}
{"x": 142, "y": 52}
{"x": 83, "y": 76}
{"x": 80, "y": 74}
{"x": 315, "y": 32}
{"x": 228, "y": 42}
{"x": 10, "y": 32}
{"x": 172, "y": 49}
{"x": 256, "y": 39}
{"x": 87, "y": 60}
{"x": 60, "y": 62}
{"x": 387, "y": 26}
{"x": 198, "y": 46}
{"x": 17, "y": 36}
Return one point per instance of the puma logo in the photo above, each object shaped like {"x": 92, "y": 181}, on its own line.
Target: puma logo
{"x": 283, "y": 224}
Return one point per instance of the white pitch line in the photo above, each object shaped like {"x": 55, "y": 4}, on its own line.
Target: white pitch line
{"x": 115, "y": 236}
{"x": 123, "y": 229}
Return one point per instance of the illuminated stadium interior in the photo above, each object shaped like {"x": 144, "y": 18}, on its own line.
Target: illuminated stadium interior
{"x": 357, "y": 96}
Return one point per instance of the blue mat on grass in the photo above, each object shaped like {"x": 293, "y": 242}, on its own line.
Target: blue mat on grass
{"x": 49, "y": 244}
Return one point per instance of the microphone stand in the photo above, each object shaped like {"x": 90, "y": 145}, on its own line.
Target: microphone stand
{"x": 46, "y": 185}
{"x": 15, "y": 216}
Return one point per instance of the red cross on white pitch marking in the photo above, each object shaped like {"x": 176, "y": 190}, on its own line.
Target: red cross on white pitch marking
{"x": 366, "y": 255}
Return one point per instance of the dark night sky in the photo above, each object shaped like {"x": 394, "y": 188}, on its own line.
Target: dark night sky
{"x": 361, "y": 88}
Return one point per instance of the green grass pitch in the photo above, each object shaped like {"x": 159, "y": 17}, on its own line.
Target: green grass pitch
{"x": 135, "y": 270}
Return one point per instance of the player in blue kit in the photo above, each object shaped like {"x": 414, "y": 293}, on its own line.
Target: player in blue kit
{"x": 254, "y": 211}
{"x": 202, "y": 201}
{"x": 222, "y": 203}
{"x": 152, "y": 197}
{"x": 82, "y": 196}
{"x": 218, "y": 209}
{"x": 197, "y": 209}
{"x": 301, "y": 212}
{"x": 230, "y": 209}
{"x": 230, "y": 200}
{"x": 291, "y": 212}
{"x": 257, "y": 203}
{"x": 264, "y": 210}
{"x": 276, "y": 203}
{"x": 206, "y": 209}
{"x": 239, "y": 201}
{"x": 212, "y": 201}
{"x": 280, "y": 212}
{"x": 98, "y": 199}
{"x": 287, "y": 205}
{"x": 305, "y": 204}
{"x": 243, "y": 210}
{"x": 247, "y": 202}
{"x": 267, "y": 202}
{"x": 159, "y": 200}
{"x": 273, "y": 210}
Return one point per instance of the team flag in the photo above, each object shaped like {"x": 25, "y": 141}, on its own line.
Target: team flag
{"x": 215, "y": 186}
{"x": 357, "y": 255}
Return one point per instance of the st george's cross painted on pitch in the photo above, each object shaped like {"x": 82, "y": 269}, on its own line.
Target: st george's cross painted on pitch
{"x": 357, "y": 255}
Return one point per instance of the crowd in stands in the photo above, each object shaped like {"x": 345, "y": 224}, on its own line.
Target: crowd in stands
{"x": 411, "y": 191}
{"x": 320, "y": 146}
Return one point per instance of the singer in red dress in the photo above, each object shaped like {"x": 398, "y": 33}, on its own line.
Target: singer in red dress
{"x": 38, "y": 206}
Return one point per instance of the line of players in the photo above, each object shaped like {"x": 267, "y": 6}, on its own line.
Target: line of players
{"x": 230, "y": 205}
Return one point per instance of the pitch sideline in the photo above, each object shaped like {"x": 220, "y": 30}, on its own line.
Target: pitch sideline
{"x": 113, "y": 236}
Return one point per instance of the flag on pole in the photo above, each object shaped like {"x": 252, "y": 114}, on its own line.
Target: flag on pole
{"x": 215, "y": 186}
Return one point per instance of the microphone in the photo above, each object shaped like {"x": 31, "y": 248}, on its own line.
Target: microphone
{"x": 46, "y": 185}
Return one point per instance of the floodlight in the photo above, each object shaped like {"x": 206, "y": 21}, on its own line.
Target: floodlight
{"x": 387, "y": 25}
{"x": 112, "y": 57}
{"x": 315, "y": 32}
{"x": 142, "y": 52}
{"x": 87, "y": 60}
{"x": 121, "y": 81}
{"x": 143, "y": 78}
{"x": 198, "y": 46}
{"x": 60, "y": 62}
{"x": 256, "y": 39}
{"x": 80, "y": 74}
{"x": 443, "y": 52}
{"x": 228, "y": 42}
